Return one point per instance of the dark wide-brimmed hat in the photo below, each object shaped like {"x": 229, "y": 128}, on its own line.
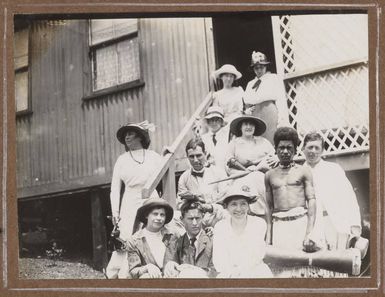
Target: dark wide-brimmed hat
{"x": 258, "y": 58}
{"x": 237, "y": 191}
{"x": 228, "y": 68}
{"x": 150, "y": 204}
{"x": 235, "y": 125}
{"x": 140, "y": 128}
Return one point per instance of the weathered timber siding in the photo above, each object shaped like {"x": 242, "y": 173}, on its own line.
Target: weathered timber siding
{"x": 68, "y": 143}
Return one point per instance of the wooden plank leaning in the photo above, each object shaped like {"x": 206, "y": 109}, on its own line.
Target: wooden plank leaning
{"x": 167, "y": 169}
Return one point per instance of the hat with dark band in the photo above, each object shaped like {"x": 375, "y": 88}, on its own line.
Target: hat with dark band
{"x": 214, "y": 112}
{"x": 140, "y": 129}
{"x": 258, "y": 58}
{"x": 238, "y": 191}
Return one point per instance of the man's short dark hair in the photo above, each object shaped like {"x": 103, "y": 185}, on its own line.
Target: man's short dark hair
{"x": 188, "y": 205}
{"x": 193, "y": 143}
{"x": 313, "y": 136}
{"x": 286, "y": 133}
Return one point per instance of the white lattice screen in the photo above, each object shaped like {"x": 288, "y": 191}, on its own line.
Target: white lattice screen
{"x": 324, "y": 60}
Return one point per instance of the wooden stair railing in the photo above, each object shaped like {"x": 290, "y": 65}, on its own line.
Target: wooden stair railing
{"x": 166, "y": 172}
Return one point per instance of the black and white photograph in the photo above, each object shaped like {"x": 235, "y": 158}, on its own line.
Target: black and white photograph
{"x": 193, "y": 146}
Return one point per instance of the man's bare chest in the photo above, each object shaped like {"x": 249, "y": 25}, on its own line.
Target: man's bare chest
{"x": 286, "y": 177}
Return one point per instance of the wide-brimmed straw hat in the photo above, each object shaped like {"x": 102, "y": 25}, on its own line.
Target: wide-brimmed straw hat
{"x": 258, "y": 58}
{"x": 214, "y": 112}
{"x": 228, "y": 68}
{"x": 140, "y": 128}
{"x": 150, "y": 204}
{"x": 237, "y": 191}
{"x": 235, "y": 125}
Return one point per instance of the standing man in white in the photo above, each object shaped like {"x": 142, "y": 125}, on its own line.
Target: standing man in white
{"x": 338, "y": 217}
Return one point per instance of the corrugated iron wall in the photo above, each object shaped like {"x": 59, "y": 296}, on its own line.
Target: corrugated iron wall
{"x": 69, "y": 143}
{"x": 175, "y": 71}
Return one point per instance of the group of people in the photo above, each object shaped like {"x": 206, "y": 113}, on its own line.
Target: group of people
{"x": 243, "y": 192}
{"x": 264, "y": 96}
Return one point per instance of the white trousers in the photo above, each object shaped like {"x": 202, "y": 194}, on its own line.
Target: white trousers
{"x": 118, "y": 266}
{"x": 289, "y": 234}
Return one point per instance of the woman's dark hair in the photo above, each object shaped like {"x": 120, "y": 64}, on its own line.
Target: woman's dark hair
{"x": 239, "y": 126}
{"x": 145, "y": 144}
{"x": 286, "y": 133}
{"x": 251, "y": 68}
{"x": 228, "y": 73}
{"x": 193, "y": 143}
{"x": 149, "y": 211}
{"x": 313, "y": 136}
{"x": 220, "y": 82}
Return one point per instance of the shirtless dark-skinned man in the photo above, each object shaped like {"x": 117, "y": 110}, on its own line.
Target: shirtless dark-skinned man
{"x": 290, "y": 197}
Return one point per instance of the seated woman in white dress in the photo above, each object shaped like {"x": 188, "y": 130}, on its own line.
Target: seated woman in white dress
{"x": 250, "y": 153}
{"x": 239, "y": 242}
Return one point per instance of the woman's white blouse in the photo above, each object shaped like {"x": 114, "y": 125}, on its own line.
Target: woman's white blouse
{"x": 245, "y": 151}
{"x": 271, "y": 88}
{"x": 231, "y": 101}
{"x": 134, "y": 176}
{"x": 156, "y": 244}
{"x": 244, "y": 251}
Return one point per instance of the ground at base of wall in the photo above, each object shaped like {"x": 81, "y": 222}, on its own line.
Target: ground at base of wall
{"x": 43, "y": 268}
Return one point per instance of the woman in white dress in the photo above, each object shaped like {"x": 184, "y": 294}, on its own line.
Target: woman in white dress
{"x": 133, "y": 168}
{"x": 250, "y": 153}
{"x": 239, "y": 242}
{"x": 265, "y": 96}
{"x": 229, "y": 98}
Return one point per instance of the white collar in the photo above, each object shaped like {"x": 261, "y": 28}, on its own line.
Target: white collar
{"x": 316, "y": 165}
{"x": 263, "y": 77}
{"x": 240, "y": 139}
{"x": 150, "y": 233}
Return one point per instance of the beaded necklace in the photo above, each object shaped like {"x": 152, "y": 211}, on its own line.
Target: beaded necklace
{"x": 144, "y": 157}
{"x": 290, "y": 165}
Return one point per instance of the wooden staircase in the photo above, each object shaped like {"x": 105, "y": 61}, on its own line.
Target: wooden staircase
{"x": 166, "y": 172}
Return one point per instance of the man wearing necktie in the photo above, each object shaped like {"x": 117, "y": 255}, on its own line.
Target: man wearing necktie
{"x": 214, "y": 140}
{"x": 217, "y": 136}
{"x": 190, "y": 255}
{"x": 194, "y": 183}
{"x": 265, "y": 96}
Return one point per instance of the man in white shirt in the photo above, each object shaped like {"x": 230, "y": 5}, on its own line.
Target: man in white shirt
{"x": 338, "y": 217}
{"x": 217, "y": 138}
{"x": 194, "y": 183}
